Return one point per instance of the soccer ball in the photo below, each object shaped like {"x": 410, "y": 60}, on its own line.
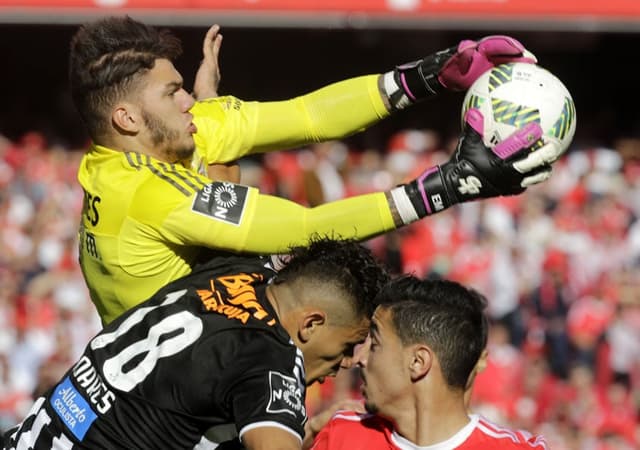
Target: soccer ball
{"x": 515, "y": 94}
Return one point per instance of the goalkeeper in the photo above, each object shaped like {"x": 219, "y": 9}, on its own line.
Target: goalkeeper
{"x": 151, "y": 213}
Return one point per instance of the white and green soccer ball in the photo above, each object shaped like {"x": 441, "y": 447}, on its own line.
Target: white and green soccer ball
{"x": 515, "y": 94}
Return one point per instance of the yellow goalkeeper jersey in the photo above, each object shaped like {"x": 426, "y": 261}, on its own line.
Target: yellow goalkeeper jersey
{"x": 146, "y": 222}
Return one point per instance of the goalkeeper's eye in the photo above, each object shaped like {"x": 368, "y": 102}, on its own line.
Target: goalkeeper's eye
{"x": 172, "y": 88}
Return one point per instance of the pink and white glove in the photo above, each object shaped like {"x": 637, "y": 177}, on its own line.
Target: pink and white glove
{"x": 455, "y": 69}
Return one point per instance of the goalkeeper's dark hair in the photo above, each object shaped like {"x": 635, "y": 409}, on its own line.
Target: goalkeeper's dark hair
{"x": 342, "y": 263}
{"x": 444, "y": 315}
{"x": 106, "y": 60}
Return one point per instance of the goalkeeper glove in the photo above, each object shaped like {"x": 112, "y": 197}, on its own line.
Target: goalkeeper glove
{"x": 476, "y": 171}
{"x": 455, "y": 69}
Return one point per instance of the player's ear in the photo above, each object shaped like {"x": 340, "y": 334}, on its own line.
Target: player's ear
{"x": 126, "y": 118}
{"x": 421, "y": 359}
{"x": 309, "y": 323}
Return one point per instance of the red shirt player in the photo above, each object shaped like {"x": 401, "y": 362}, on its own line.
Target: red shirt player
{"x": 420, "y": 358}
{"x": 353, "y": 431}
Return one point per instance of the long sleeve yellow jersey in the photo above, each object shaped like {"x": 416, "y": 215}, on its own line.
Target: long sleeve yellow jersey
{"x": 146, "y": 222}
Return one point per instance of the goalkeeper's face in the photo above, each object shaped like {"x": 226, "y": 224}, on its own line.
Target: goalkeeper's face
{"x": 167, "y": 123}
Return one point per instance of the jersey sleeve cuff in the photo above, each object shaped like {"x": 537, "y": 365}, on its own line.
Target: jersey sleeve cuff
{"x": 268, "y": 423}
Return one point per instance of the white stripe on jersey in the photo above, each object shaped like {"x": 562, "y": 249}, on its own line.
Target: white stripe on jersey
{"x": 61, "y": 442}
{"x": 499, "y": 432}
{"x": 478, "y": 428}
{"x": 353, "y": 416}
{"x": 298, "y": 368}
{"x": 267, "y": 423}
{"x": 205, "y": 444}
{"x": 496, "y": 431}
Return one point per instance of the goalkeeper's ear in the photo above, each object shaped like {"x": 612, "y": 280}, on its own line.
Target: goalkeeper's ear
{"x": 125, "y": 118}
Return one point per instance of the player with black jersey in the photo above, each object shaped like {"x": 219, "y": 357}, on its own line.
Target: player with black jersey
{"x": 233, "y": 344}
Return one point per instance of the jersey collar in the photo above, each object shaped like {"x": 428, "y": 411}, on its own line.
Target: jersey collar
{"x": 453, "y": 442}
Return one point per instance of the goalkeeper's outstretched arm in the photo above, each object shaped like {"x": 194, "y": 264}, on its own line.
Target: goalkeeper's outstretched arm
{"x": 346, "y": 107}
{"x": 271, "y": 224}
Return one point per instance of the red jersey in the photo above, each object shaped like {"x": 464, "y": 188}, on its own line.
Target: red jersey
{"x": 351, "y": 431}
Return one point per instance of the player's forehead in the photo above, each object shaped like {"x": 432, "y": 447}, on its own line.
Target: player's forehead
{"x": 381, "y": 322}
{"x": 360, "y": 332}
{"x": 163, "y": 75}
{"x": 354, "y": 333}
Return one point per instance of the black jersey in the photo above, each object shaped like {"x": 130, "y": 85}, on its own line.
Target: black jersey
{"x": 206, "y": 352}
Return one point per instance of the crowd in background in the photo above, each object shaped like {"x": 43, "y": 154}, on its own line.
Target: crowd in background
{"x": 559, "y": 265}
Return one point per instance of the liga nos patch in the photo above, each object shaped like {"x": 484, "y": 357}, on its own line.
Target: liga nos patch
{"x": 286, "y": 395}
{"x": 221, "y": 201}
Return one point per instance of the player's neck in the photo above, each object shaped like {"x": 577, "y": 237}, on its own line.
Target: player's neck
{"x": 276, "y": 296}
{"x": 131, "y": 143}
{"x": 433, "y": 418}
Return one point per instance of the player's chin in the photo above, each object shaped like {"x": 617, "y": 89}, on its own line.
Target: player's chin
{"x": 184, "y": 151}
{"x": 188, "y": 145}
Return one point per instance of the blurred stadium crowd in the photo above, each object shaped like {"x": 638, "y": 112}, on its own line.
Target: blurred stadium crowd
{"x": 559, "y": 264}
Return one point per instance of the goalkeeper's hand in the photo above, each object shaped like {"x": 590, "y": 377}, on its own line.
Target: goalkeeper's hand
{"x": 208, "y": 76}
{"x": 455, "y": 69}
{"x": 476, "y": 171}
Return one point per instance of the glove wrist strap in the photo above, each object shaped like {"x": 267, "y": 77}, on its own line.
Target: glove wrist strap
{"x": 416, "y": 81}
{"x": 424, "y": 196}
{"x": 408, "y": 84}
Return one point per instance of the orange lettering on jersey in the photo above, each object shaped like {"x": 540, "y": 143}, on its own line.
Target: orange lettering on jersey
{"x": 210, "y": 299}
{"x": 241, "y": 292}
{"x": 239, "y": 299}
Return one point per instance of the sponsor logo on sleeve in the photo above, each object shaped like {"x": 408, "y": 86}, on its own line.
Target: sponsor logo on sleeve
{"x": 222, "y": 201}
{"x": 286, "y": 395}
{"x": 72, "y": 408}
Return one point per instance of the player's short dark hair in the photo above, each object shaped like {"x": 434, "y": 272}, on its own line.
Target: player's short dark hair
{"x": 105, "y": 61}
{"x": 342, "y": 263}
{"x": 446, "y": 316}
